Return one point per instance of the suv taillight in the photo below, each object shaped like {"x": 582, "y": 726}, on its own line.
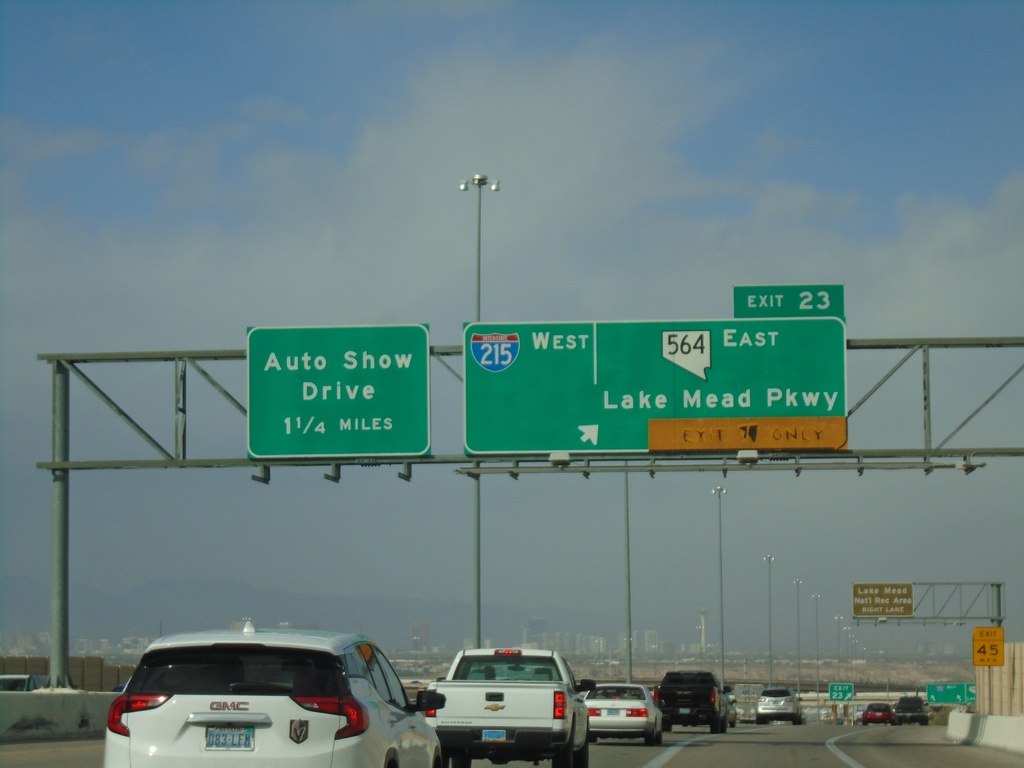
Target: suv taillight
{"x": 354, "y": 712}
{"x": 128, "y": 703}
{"x": 357, "y": 716}
{"x": 330, "y": 705}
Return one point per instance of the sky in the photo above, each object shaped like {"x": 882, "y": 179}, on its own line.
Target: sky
{"x": 173, "y": 173}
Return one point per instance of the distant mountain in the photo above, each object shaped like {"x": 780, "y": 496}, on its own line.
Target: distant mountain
{"x": 158, "y": 607}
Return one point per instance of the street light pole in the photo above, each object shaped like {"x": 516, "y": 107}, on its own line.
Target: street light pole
{"x": 839, "y": 648}
{"x": 817, "y": 657}
{"x": 768, "y": 559}
{"x": 629, "y": 592}
{"x": 478, "y": 181}
{"x": 798, "y": 582}
{"x": 719, "y": 491}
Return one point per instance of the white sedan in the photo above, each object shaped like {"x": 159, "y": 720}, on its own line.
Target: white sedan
{"x": 624, "y": 711}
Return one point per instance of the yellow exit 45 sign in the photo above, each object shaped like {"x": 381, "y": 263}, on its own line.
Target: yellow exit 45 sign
{"x": 988, "y": 647}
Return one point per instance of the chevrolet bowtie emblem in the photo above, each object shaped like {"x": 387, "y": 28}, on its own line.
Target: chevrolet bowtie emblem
{"x": 495, "y": 707}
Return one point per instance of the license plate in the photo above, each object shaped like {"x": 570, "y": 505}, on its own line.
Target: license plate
{"x": 614, "y": 711}
{"x": 684, "y": 710}
{"x": 223, "y": 739}
{"x": 494, "y": 735}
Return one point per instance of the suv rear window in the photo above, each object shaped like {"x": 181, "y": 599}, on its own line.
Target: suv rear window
{"x": 776, "y": 693}
{"x": 225, "y": 669}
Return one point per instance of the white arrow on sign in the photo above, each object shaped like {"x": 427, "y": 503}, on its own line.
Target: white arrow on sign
{"x": 589, "y": 433}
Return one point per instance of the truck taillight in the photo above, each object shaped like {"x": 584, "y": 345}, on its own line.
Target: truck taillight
{"x": 714, "y": 697}
{"x": 559, "y": 708}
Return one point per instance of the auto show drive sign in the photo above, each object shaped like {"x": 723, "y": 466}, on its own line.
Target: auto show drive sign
{"x": 344, "y": 391}
{"x": 706, "y": 385}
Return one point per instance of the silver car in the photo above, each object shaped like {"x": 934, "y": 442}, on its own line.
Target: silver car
{"x": 778, "y": 704}
{"x": 624, "y": 711}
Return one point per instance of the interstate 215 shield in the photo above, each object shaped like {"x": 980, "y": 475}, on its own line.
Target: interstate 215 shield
{"x": 494, "y": 351}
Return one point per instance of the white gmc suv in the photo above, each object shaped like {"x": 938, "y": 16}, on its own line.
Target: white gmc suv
{"x": 269, "y": 698}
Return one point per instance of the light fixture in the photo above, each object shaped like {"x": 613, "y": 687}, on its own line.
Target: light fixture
{"x": 747, "y": 457}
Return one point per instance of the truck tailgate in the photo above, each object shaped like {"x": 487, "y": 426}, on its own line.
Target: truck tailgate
{"x": 511, "y": 704}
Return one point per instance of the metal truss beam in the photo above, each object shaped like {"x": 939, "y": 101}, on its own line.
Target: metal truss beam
{"x": 927, "y": 457}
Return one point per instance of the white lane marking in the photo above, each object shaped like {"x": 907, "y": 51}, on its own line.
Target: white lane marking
{"x": 671, "y": 752}
{"x": 839, "y": 753}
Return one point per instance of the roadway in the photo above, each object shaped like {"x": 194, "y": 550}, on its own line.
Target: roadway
{"x": 766, "y": 746}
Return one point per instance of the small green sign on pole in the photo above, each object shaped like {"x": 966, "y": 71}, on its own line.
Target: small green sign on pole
{"x": 840, "y": 691}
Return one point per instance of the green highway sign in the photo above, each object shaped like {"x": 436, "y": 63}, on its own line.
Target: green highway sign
{"x": 789, "y": 301}
{"x": 344, "y": 391}
{"x": 840, "y": 691}
{"x": 635, "y": 387}
{"x": 952, "y": 693}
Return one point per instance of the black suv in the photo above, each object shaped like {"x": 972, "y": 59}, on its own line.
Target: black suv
{"x": 910, "y": 709}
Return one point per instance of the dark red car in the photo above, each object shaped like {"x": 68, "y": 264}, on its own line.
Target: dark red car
{"x": 877, "y": 713}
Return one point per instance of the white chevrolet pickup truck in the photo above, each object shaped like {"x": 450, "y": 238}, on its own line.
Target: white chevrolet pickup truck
{"x": 512, "y": 704}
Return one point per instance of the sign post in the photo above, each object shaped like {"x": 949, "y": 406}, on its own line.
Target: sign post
{"x": 655, "y": 386}
{"x": 339, "y": 391}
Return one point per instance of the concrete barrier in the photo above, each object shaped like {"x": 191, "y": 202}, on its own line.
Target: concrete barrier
{"x": 53, "y": 713}
{"x": 996, "y": 731}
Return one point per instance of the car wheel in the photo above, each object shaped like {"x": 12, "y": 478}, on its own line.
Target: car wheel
{"x": 650, "y": 739}
{"x": 564, "y": 758}
{"x": 759, "y": 720}
{"x": 581, "y": 758}
{"x": 458, "y": 762}
{"x": 666, "y": 726}
{"x": 660, "y": 738}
